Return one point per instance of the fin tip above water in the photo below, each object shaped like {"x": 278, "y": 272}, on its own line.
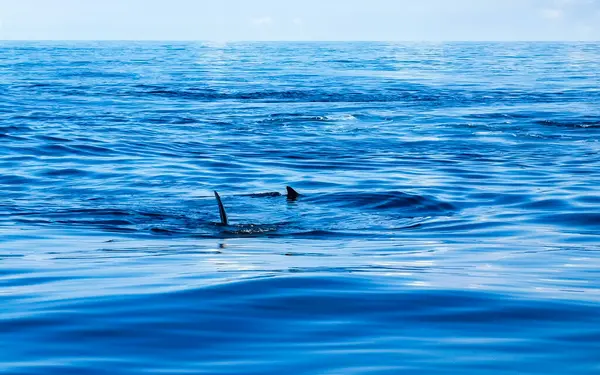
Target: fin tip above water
{"x": 291, "y": 193}
{"x": 222, "y": 212}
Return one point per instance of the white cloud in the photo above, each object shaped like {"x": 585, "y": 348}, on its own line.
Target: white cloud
{"x": 298, "y": 21}
{"x": 262, "y": 21}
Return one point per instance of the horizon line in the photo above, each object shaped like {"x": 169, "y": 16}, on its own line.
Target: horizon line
{"x": 311, "y": 41}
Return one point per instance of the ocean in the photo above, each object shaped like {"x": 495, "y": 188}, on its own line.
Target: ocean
{"x": 448, "y": 222}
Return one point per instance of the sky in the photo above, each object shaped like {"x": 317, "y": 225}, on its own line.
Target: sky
{"x": 310, "y": 20}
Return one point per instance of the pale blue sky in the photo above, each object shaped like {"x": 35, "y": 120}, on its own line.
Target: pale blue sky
{"x": 224, "y": 20}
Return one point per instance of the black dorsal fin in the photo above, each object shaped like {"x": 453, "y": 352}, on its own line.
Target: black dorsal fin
{"x": 291, "y": 193}
{"x": 222, "y": 212}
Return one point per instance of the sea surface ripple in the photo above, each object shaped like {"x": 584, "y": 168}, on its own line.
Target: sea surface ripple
{"x": 449, "y": 219}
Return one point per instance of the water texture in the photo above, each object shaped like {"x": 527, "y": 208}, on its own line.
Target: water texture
{"x": 449, "y": 219}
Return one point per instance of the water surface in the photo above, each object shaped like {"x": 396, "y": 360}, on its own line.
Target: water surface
{"x": 448, "y": 221}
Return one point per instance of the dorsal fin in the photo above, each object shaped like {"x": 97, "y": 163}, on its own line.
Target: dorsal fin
{"x": 291, "y": 193}
{"x": 222, "y": 212}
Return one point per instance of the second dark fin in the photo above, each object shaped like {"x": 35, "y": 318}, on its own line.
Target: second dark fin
{"x": 222, "y": 212}
{"x": 291, "y": 193}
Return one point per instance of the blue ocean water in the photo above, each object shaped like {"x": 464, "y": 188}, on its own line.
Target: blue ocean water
{"x": 448, "y": 224}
